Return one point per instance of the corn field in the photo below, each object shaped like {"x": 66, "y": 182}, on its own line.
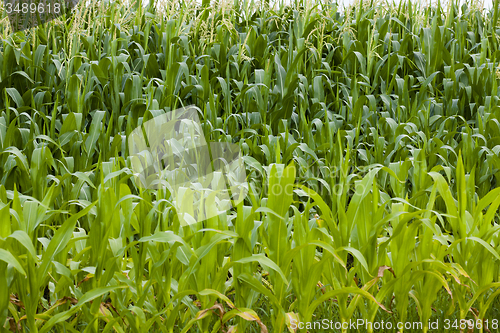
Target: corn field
{"x": 370, "y": 139}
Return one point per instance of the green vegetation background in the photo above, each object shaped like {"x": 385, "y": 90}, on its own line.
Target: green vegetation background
{"x": 386, "y": 121}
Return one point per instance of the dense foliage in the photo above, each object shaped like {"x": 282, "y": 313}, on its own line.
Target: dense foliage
{"x": 386, "y": 121}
